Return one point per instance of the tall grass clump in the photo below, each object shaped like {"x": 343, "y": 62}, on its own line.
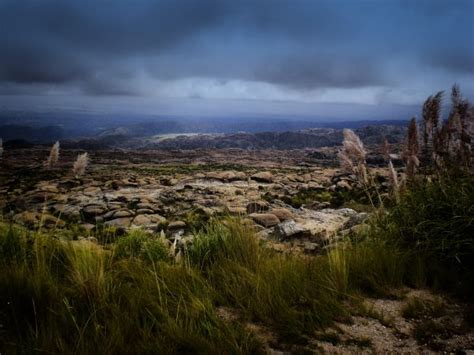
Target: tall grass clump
{"x": 77, "y": 297}
{"x": 131, "y": 296}
{"x": 288, "y": 292}
{"x": 434, "y": 223}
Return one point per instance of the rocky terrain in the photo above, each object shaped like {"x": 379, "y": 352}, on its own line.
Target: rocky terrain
{"x": 298, "y": 201}
{"x": 287, "y": 196}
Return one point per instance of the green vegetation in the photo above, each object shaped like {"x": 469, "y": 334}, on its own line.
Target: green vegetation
{"x": 433, "y": 224}
{"x": 62, "y": 295}
{"x": 132, "y": 295}
{"x": 416, "y": 308}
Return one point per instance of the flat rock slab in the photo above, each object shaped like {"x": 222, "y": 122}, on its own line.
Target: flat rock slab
{"x": 265, "y": 219}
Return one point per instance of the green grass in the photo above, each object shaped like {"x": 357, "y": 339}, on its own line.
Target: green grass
{"x": 73, "y": 296}
{"x": 127, "y": 294}
{"x": 433, "y": 224}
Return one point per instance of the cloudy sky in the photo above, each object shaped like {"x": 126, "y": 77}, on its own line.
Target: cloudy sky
{"x": 214, "y": 57}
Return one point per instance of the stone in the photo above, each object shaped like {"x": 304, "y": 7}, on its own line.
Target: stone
{"x": 324, "y": 225}
{"x": 123, "y": 212}
{"x": 264, "y": 176}
{"x": 176, "y": 225}
{"x": 283, "y": 214}
{"x": 68, "y": 211}
{"x": 94, "y": 210}
{"x": 120, "y": 223}
{"x": 92, "y": 191}
{"x": 265, "y": 219}
{"x": 145, "y": 211}
{"x": 290, "y": 229}
{"x": 142, "y": 220}
{"x": 145, "y": 205}
{"x": 115, "y": 205}
{"x": 257, "y": 206}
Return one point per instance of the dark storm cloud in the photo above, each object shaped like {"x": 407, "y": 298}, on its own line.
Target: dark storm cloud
{"x": 98, "y": 46}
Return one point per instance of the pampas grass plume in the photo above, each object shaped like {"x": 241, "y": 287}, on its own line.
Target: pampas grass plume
{"x": 53, "y": 156}
{"x": 80, "y": 165}
{"x": 393, "y": 179}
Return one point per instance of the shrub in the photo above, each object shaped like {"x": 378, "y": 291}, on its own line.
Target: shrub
{"x": 434, "y": 224}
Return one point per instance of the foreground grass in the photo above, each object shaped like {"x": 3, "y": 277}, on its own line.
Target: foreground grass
{"x": 131, "y": 296}
{"x": 75, "y": 296}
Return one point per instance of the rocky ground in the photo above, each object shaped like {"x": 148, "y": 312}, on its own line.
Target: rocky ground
{"x": 297, "y": 200}
{"x": 284, "y": 194}
{"x": 411, "y": 322}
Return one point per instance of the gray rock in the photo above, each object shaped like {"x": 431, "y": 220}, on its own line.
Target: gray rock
{"x": 120, "y": 223}
{"x": 264, "y": 176}
{"x": 283, "y": 214}
{"x": 265, "y": 219}
{"x": 176, "y": 225}
{"x": 120, "y": 213}
{"x": 290, "y": 229}
{"x": 94, "y": 210}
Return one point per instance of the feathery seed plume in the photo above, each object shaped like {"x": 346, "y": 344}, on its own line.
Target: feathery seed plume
{"x": 80, "y": 165}
{"x": 393, "y": 179}
{"x": 53, "y": 156}
{"x": 352, "y": 156}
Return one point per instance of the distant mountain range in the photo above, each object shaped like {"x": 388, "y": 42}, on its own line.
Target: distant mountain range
{"x": 110, "y": 130}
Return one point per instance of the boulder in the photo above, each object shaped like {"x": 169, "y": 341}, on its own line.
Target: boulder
{"x": 148, "y": 220}
{"x": 264, "y": 176}
{"x": 265, "y": 219}
{"x": 226, "y": 176}
{"x": 325, "y": 224}
{"x": 68, "y": 211}
{"x": 290, "y": 229}
{"x": 94, "y": 210}
{"x": 92, "y": 191}
{"x": 119, "y": 223}
{"x": 176, "y": 225}
{"x": 120, "y": 213}
{"x": 145, "y": 211}
{"x": 283, "y": 214}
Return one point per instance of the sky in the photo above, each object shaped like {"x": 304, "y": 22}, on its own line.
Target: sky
{"x": 299, "y": 58}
